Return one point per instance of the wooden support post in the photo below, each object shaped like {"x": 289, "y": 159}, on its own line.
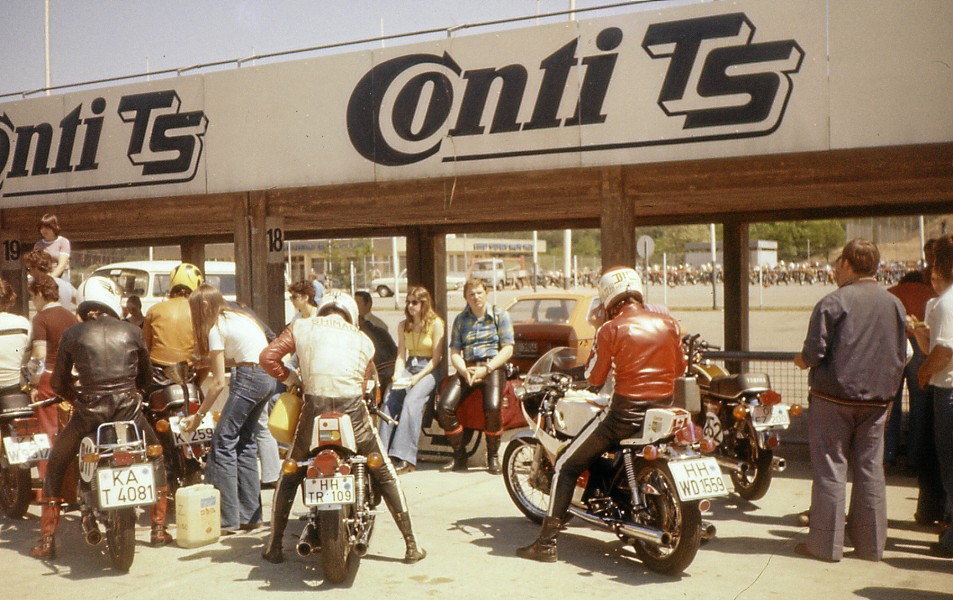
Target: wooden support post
{"x": 617, "y": 221}
{"x": 192, "y": 251}
{"x": 735, "y": 260}
{"x": 243, "y": 254}
{"x": 427, "y": 266}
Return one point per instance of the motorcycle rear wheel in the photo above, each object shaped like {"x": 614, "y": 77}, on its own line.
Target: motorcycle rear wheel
{"x": 517, "y": 471}
{"x": 15, "y": 491}
{"x": 681, "y": 520}
{"x": 121, "y": 538}
{"x": 753, "y": 484}
{"x": 334, "y": 545}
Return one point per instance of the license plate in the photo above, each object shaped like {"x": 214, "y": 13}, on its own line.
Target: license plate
{"x": 527, "y": 347}
{"x": 203, "y": 433}
{"x": 328, "y": 491}
{"x": 126, "y": 486}
{"x": 766, "y": 417}
{"x": 698, "y": 478}
{"x": 23, "y": 449}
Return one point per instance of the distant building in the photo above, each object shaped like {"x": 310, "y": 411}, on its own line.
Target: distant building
{"x": 762, "y": 252}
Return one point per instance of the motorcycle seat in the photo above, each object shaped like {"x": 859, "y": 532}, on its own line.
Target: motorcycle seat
{"x": 15, "y": 404}
{"x": 732, "y": 386}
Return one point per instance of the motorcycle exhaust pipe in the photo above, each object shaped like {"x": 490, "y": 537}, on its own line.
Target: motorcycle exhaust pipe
{"x": 647, "y": 534}
{"x": 308, "y": 543}
{"x": 708, "y": 530}
{"x": 91, "y": 532}
{"x": 738, "y": 466}
{"x": 360, "y": 548}
{"x": 778, "y": 464}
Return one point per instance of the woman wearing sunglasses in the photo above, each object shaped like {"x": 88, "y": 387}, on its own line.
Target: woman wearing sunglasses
{"x": 419, "y": 350}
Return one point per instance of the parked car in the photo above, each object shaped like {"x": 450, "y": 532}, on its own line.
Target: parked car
{"x": 545, "y": 321}
{"x": 384, "y": 286}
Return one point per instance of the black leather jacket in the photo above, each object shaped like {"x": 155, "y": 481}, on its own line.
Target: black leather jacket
{"x": 111, "y": 359}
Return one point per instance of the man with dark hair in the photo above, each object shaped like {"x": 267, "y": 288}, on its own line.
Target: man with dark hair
{"x": 856, "y": 348}
{"x": 385, "y": 350}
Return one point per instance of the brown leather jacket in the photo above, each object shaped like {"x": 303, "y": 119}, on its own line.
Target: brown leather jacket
{"x": 646, "y": 351}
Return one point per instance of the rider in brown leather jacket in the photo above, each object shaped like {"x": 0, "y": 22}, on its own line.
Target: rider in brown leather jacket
{"x": 111, "y": 359}
{"x": 645, "y": 350}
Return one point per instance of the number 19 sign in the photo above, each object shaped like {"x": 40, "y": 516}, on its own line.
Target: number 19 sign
{"x": 12, "y": 250}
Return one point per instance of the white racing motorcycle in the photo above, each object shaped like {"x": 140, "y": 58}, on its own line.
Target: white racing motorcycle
{"x": 650, "y": 491}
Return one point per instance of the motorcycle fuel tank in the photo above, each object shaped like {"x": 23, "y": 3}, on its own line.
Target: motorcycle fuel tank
{"x": 575, "y": 409}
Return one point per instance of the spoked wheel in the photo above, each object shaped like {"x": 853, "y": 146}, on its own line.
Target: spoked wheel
{"x": 15, "y": 491}
{"x": 754, "y": 482}
{"x": 121, "y": 538}
{"x": 664, "y": 511}
{"x": 518, "y": 476}
{"x": 334, "y": 545}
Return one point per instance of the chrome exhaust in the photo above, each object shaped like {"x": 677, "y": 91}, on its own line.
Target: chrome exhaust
{"x": 708, "y": 530}
{"x": 778, "y": 464}
{"x": 739, "y": 466}
{"x": 91, "y": 532}
{"x": 646, "y": 534}
{"x": 360, "y": 547}
{"x": 308, "y": 543}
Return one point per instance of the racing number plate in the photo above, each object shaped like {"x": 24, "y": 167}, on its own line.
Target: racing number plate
{"x": 26, "y": 448}
{"x": 328, "y": 491}
{"x": 203, "y": 433}
{"x": 698, "y": 478}
{"x": 126, "y": 486}
{"x": 765, "y": 417}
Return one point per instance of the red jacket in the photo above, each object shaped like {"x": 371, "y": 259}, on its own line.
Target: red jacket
{"x": 644, "y": 348}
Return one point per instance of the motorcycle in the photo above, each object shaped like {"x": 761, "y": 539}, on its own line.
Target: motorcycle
{"x": 25, "y": 444}
{"x": 338, "y": 492}
{"x": 115, "y": 477}
{"x": 177, "y": 397}
{"x": 743, "y": 414}
{"x": 650, "y": 491}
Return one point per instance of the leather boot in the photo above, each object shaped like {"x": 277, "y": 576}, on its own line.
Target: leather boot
{"x": 544, "y": 548}
{"x": 281, "y": 507}
{"x": 493, "y": 454}
{"x": 160, "y": 535}
{"x": 413, "y": 553}
{"x": 459, "y": 463}
{"x": 45, "y": 548}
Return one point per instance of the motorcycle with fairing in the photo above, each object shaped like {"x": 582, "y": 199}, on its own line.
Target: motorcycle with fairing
{"x": 743, "y": 415}
{"x": 650, "y": 491}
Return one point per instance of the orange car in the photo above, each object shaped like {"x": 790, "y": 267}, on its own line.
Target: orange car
{"x": 544, "y": 321}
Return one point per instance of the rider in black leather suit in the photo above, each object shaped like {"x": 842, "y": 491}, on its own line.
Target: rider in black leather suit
{"x": 112, "y": 361}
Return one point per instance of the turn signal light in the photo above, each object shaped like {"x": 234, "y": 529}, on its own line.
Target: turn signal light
{"x": 707, "y": 445}
{"x": 740, "y": 412}
{"x": 289, "y": 466}
{"x": 153, "y": 450}
{"x": 217, "y": 415}
{"x": 650, "y": 452}
{"x": 92, "y": 457}
{"x": 796, "y": 410}
{"x": 770, "y": 398}
{"x": 375, "y": 460}
{"x": 162, "y": 425}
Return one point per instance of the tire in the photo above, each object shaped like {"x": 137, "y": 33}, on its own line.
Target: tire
{"x": 121, "y": 538}
{"x": 334, "y": 545}
{"x": 682, "y": 521}
{"x": 517, "y": 477}
{"x": 384, "y": 292}
{"x": 15, "y": 492}
{"x": 754, "y": 484}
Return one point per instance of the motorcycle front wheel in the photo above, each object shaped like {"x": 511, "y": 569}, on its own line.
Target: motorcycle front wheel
{"x": 753, "y": 484}
{"x": 15, "y": 491}
{"x": 334, "y": 545}
{"x": 665, "y": 511}
{"x": 518, "y": 473}
{"x": 121, "y": 538}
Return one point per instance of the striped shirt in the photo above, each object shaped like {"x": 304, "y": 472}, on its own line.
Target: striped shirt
{"x": 480, "y": 339}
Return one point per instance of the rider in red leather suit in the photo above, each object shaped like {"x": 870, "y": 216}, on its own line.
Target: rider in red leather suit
{"x": 645, "y": 349}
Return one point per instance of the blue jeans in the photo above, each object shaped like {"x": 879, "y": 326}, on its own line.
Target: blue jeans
{"x": 267, "y": 446}
{"x": 233, "y": 459}
{"x": 401, "y": 444}
{"x": 943, "y": 429}
{"x": 918, "y": 421}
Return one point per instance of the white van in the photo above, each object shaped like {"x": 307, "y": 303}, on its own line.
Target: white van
{"x": 149, "y": 279}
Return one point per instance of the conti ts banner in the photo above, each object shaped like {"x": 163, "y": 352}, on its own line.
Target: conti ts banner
{"x": 702, "y": 81}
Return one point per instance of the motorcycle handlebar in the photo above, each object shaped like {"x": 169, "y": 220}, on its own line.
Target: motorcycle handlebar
{"x": 45, "y": 403}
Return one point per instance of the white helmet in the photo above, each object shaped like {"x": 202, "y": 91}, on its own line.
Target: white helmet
{"x": 99, "y": 293}
{"x": 618, "y": 283}
{"x": 341, "y": 301}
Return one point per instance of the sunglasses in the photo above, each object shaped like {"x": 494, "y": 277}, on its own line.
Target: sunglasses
{"x": 413, "y": 302}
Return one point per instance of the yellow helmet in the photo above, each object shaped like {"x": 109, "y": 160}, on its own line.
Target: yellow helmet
{"x": 187, "y": 275}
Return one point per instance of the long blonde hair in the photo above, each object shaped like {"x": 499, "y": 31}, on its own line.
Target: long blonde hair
{"x": 206, "y": 304}
{"x": 427, "y": 314}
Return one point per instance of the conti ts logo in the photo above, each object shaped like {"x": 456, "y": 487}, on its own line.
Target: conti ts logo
{"x": 165, "y": 146}
{"x": 718, "y": 83}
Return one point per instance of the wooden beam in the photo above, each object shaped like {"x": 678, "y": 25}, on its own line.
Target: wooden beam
{"x": 617, "y": 221}
{"x": 735, "y": 257}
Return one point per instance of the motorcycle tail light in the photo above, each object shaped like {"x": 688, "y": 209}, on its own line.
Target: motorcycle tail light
{"x": 583, "y": 480}
{"x": 650, "y": 452}
{"x": 796, "y": 410}
{"x": 92, "y": 457}
{"x": 162, "y": 425}
{"x": 153, "y": 450}
{"x": 344, "y": 469}
{"x": 122, "y": 459}
{"x": 770, "y": 398}
{"x": 689, "y": 434}
{"x": 708, "y": 445}
{"x": 773, "y": 441}
{"x": 325, "y": 464}
{"x": 375, "y": 460}
{"x": 289, "y": 466}
{"x": 740, "y": 412}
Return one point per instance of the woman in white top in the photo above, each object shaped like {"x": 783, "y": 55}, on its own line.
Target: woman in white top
{"x": 57, "y": 246}
{"x": 224, "y": 335}
{"x": 14, "y": 341}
